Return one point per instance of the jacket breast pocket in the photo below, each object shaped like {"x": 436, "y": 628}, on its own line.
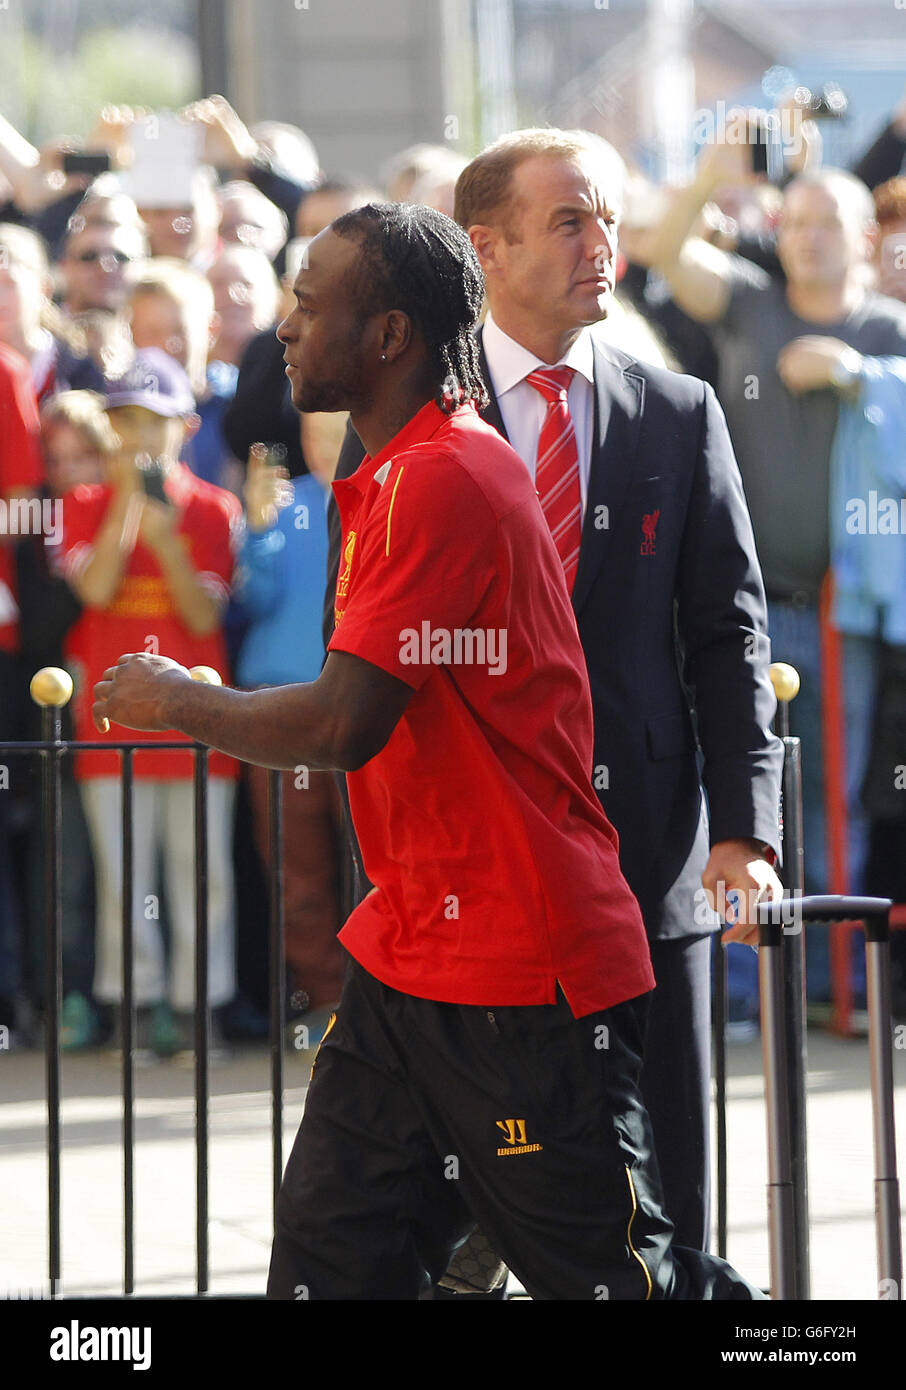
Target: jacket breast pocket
{"x": 669, "y": 736}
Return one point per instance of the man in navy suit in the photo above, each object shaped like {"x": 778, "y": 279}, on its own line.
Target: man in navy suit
{"x": 665, "y": 583}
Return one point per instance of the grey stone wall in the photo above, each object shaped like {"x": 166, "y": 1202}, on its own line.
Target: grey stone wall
{"x": 363, "y": 78}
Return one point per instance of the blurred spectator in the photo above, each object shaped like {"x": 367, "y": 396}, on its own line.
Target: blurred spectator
{"x": 94, "y": 261}
{"x": 24, "y": 291}
{"x": 890, "y": 252}
{"x": 20, "y": 472}
{"x": 77, "y": 441}
{"x": 262, "y": 407}
{"x": 34, "y": 177}
{"x": 280, "y": 582}
{"x": 32, "y": 324}
{"x": 435, "y": 184}
{"x": 789, "y": 354}
{"x": 188, "y": 231}
{"x": 248, "y": 218}
{"x": 884, "y": 159}
{"x": 246, "y": 299}
{"x": 279, "y": 159}
{"x": 105, "y": 204}
{"x": 151, "y": 562}
{"x": 41, "y": 194}
{"x": 402, "y": 171}
{"x": 286, "y": 150}
{"x": 329, "y": 201}
{"x": 172, "y": 308}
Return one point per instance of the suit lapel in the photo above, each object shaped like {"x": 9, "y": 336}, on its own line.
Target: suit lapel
{"x": 618, "y": 411}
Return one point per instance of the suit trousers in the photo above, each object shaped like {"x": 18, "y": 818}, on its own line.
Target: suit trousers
{"x": 676, "y": 1082}
{"x": 423, "y": 1118}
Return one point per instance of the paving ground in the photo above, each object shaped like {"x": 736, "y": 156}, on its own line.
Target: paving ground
{"x": 840, "y": 1171}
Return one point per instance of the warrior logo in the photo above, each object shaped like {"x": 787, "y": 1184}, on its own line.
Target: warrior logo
{"x": 516, "y": 1138}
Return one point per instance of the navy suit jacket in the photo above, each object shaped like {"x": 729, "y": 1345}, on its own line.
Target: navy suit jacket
{"x": 671, "y": 611}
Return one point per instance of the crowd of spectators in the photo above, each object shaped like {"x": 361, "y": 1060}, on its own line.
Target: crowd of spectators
{"x": 143, "y": 401}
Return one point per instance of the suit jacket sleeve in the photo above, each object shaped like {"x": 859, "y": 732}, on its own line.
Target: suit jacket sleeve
{"x": 722, "y": 625}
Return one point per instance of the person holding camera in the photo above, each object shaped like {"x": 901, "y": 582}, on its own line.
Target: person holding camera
{"x": 150, "y": 555}
{"x": 794, "y": 354}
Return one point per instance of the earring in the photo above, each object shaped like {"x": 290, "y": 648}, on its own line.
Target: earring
{"x": 383, "y": 357}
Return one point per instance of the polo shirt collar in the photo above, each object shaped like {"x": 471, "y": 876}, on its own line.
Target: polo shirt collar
{"x": 423, "y": 426}
{"x": 510, "y": 362}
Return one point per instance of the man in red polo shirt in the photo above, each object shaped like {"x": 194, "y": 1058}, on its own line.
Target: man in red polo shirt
{"x": 483, "y": 1063}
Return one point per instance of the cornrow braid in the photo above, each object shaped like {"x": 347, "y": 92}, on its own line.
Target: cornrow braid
{"x": 421, "y": 262}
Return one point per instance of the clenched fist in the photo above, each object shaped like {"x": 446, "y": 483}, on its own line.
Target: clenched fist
{"x": 134, "y": 692}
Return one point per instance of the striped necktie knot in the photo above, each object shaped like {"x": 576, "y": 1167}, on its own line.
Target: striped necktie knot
{"x": 552, "y": 382}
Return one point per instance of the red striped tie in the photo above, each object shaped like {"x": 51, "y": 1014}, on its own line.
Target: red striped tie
{"x": 557, "y": 468}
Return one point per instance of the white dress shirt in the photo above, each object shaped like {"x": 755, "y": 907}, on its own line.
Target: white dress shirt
{"x": 523, "y": 408}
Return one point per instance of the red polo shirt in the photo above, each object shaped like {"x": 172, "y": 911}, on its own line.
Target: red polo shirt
{"x": 496, "y": 872}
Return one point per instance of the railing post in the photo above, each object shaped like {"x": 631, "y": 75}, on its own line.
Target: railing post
{"x": 277, "y": 969}
{"x": 785, "y": 680}
{"x": 207, "y": 676}
{"x": 128, "y": 1030}
{"x": 51, "y": 688}
{"x": 774, "y": 1042}
{"x": 201, "y": 1018}
{"x": 880, "y": 1045}
{"x": 829, "y": 908}
{"x": 720, "y": 1083}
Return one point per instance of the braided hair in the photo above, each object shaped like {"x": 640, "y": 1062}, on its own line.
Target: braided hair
{"x": 421, "y": 262}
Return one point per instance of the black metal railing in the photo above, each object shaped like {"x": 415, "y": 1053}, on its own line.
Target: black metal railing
{"x": 51, "y": 688}
{"x": 781, "y": 972}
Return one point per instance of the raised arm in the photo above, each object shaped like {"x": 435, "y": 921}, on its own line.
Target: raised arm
{"x": 697, "y": 272}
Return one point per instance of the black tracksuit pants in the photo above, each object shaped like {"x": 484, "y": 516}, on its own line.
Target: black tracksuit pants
{"x": 424, "y": 1118}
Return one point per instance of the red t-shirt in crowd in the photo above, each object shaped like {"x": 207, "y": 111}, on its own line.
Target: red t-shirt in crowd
{"x": 495, "y": 869}
{"x": 20, "y": 469}
{"x": 143, "y": 610}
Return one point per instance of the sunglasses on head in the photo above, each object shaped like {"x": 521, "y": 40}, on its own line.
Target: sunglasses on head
{"x": 87, "y": 257}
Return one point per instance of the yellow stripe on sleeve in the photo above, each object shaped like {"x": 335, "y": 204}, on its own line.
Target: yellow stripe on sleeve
{"x": 390, "y": 508}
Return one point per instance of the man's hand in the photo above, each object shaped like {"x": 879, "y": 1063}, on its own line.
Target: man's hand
{"x": 266, "y": 490}
{"x": 45, "y": 182}
{"x": 809, "y": 363}
{"x": 113, "y": 132}
{"x": 228, "y": 143}
{"x": 134, "y": 691}
{"x": 739, "y": 867}
{"x": 727, "y": 159}
{"x": 157, "y": 527}
{"x": 123, "y": 472}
